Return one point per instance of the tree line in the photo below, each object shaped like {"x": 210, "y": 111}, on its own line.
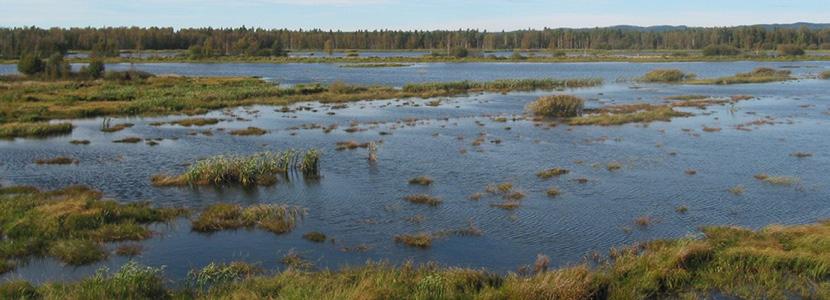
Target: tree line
{"x": 108, "y": 41}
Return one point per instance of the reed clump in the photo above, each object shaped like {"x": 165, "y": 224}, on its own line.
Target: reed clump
{"x": 824, "y": 75}
{"x": 504, "y": 85}
{"x": 251, "y": 170}
{"x": 276, "y": 218}
{"x": 560, "y": 106}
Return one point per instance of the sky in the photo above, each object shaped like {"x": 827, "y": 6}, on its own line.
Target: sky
{"x": 349, "y": 15}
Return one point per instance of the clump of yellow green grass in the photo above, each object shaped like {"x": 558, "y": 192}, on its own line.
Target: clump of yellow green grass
{"x": 276, "y": 218}
{"x": 560, "y": 106}
{"x": 33, "y": 130}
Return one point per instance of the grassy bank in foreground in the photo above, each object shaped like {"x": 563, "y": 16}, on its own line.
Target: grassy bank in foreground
{"x": 777, "y": 262}
{"x": 32, "y": 101}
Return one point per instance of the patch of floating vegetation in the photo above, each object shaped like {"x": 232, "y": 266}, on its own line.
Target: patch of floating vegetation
{"x": 60, "y": 160}
{"x": 350, "y": 145}
{"x": 421, "y": 180}
{"x": 69, "y": 224}
{"x": 687, "y": 97}
{"x": 553, "y": 192}
{"x": 423, "y": 199}
{"x": 129, "y": 140}
{"x": 560, "y": 106}
{"x": 552, "y": 172}
{"x": 505, "y": 85}
{"x": 776, "y": 262}
{"x": 315, "y": 236}
{"x": 628, "y": 113}
{"x": 824, "y": 75}
{"x": 107, "y": 127}
{"x": 255, "y": 169}
{"x": 419, "y": 240}
{"x": 777, "y": 180}
{"x": 79, "y": 142}
{"x": 189, "y": 122}
{"x": 33, "y": 129}
{"x": 376, "y": 65}
{"x": 276, "y": 218}
{"x": 165, "y": 95}
{"x": 248, "y": 131}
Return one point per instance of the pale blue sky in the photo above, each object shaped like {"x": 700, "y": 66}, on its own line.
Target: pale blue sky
{"x": 405, "y": 14}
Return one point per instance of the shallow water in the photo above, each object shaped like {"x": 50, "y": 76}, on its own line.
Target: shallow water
{"x": 358, "y": 203}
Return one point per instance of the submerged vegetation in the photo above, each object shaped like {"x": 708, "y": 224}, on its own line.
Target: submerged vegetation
{"x": 276, "y": 218}
{"x": 777, "y": 262}
{"x": 255, "y": 169}
{"x": 69, "y": 224}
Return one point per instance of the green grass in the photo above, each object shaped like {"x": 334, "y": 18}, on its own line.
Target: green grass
{"x": 276, "y": 218}
{"x": 776, "y": 262}
{"x": 70, "y": 224}
{"x": 33, "y": 130}
{"x": 758, "y": 75}
{"x": 251, "y": 170}
{"x": 651, "y": 114}
{"x": 195, "y": 122}
{"x": 28, "y": 101}
{"x": 560, "y": 106}
{"x": 824, "y": 75}
{"x": 505, "y": 85}
{"x": 666, "y": 76}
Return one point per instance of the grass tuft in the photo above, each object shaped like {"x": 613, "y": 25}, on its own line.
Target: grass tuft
{"x": 560, "y": 106}
{"x": 276, "y": 218}
{"x": 423, "y": 199}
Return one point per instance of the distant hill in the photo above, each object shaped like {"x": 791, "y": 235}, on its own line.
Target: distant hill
{"x": 664, "y": 28}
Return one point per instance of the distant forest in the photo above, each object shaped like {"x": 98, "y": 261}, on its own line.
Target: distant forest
{"x": 251, "y": 41}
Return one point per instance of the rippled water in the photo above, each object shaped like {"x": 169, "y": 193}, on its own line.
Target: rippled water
{"x": 358, "y": 203}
